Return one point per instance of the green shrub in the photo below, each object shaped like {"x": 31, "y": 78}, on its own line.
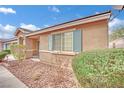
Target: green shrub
{"x": 100, "y": 68}
{"x": 2, "y": 55}
{"x": 8, "y": 51}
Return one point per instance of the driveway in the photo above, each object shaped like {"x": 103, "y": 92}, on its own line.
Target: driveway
{"x": 8, "y": 80}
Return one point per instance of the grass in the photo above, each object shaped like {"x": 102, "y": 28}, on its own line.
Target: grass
{"x": 100, "y": 68}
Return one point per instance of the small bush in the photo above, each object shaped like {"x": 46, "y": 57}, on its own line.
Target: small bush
{"x": 18, "y": 51}
{"x": 100, "y": 68}
{"x": 8, "y": 51}
{"x": 2, "y": 55}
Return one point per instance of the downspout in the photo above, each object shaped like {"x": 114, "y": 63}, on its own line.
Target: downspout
{"x": 108, "y": 28}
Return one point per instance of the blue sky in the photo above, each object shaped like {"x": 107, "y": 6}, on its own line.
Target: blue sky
{"x": 37, "y": 17}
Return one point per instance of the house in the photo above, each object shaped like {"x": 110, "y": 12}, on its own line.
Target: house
{"x": 1, "y": 45}
{"x": 118, "y": 43}
{"x": 8, "y": 42}
{"x": 63, "y": 41}
{"x": 5, "y": 43}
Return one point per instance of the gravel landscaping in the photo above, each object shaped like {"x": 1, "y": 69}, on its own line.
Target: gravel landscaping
{"x": 42, "y": 75}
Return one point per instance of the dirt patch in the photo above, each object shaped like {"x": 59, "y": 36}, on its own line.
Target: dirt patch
{"x": 39, "y": 75}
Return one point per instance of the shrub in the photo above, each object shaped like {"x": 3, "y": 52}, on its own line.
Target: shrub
{"x": 18, "y": 51}
{"x": 100, "y": 68}
{"x": 8, "y": 51}
{"x": 2, "y": 55}
{"x": 118, "y": 32}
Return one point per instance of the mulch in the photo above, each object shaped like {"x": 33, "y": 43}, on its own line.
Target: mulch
{"x": 41, "y": 75}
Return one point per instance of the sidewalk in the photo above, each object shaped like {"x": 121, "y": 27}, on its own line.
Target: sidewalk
{"x": 8, "y": 80}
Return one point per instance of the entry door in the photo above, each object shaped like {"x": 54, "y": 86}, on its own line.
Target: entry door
{"x": 37, "y": 48}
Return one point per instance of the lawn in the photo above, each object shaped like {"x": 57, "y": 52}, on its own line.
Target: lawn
{"x": 100, "y": 68}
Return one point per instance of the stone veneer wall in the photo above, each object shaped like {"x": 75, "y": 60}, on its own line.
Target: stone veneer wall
{"x": 57, "y": 59}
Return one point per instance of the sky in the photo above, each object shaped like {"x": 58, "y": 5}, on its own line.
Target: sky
{"x": 36, "y": 17}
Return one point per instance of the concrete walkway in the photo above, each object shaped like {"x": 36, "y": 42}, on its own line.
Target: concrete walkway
{"x": 8, "y": 80}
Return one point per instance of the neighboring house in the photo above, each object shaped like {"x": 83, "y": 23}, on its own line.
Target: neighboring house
{"x": 5, "y": 43}
{"x": 1, "y": 45}
{"x": 67, "y": 39}
{"x": 8, "y": 42}
{"x": 118, "y": 43}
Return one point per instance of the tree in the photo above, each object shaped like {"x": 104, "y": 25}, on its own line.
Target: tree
{"x": 117, "y": 33}
{"x": 18, "y": 51}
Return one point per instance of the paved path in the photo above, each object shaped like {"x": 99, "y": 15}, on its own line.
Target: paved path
{"x": 8, "y": 80}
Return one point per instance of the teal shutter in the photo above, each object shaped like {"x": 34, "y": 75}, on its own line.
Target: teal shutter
{"x": 50, "y": 42}
{"x": 77, "y": 41}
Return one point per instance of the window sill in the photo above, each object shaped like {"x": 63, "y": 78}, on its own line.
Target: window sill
{"x": 60, "y": 52}
{"x": 64, "y": 53}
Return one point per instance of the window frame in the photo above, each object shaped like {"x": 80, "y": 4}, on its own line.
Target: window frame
{"x": 54, "y": 41}
{"x": 62, "y": 41}
{"x": 71, "y": 42}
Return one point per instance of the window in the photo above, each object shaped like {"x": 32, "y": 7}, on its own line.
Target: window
{"x": 57, "y": 42}
{"x": 63, "y": 41}
{"x": 5, "y": 46}
{"x": 67, "y": 41}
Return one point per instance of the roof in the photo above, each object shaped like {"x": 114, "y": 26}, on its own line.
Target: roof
{"x": 100, "y": 16}
{"x": 9, "y": 40}
{"x": 25, "y": 31}
{"x": 1, "y": 39}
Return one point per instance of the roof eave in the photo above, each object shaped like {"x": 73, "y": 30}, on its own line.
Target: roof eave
{"x": 16, "y": 32}
{"x": 76, "y": 22}
{"x": 22, "y": 30}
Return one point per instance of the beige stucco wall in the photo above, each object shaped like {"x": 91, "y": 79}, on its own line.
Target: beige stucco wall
{"x": 29, "y": 47}
{"x": 20, "y": 34}
{"x": 44, "y": 41}
{"x": 95, "y": 35}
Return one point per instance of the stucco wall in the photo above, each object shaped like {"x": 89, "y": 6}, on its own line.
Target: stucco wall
{"x": 31, "y": 47}
{"x": 95, "y": 35}
{"x": 44, "y": 41}
{"x": 20, "y": 34}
